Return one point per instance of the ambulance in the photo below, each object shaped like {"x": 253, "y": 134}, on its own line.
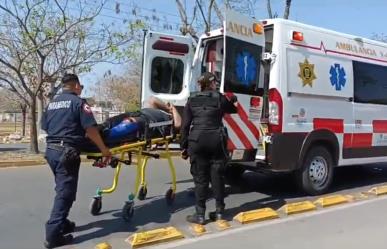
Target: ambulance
{"x": 309, "y": 99}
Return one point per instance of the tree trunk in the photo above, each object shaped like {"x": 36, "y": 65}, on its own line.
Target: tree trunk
{"x": 40, "y": 105}
{"x": 33, "y": 128}
{"x": 24, "y": 114}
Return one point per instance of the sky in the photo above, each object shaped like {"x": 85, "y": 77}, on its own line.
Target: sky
{"x": 356, "y": 17}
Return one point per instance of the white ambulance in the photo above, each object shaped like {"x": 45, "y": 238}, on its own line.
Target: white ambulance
{"x": 310, "y": 99}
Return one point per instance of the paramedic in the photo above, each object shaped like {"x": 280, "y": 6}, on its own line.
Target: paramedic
{"x": 204, "y": 139}
{"x": 66, "y": 120}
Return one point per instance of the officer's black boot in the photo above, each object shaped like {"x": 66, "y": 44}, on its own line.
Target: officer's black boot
{"x": 60, "y": 241}
{"x": 69, "y": 227}
{"x": 218, "y": 214}
{"x": 198, "y": 217}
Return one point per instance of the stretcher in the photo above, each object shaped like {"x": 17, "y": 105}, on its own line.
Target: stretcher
{"x": 143, "y": 150}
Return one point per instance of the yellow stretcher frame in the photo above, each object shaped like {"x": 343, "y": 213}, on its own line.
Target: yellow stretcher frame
{"x": 143, "y": 151}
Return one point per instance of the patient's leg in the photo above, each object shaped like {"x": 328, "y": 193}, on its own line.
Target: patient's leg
{"x": 156, "y": 103}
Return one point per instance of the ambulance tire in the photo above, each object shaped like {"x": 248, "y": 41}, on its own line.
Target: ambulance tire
{"x": 233, "y": 174}
{"x": 316, "y": 174}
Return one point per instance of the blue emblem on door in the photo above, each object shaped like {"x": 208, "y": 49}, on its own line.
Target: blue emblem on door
{"x": 246, "y": 68}
{"x": 338, "y": 75}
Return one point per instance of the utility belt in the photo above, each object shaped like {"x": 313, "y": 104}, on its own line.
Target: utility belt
{"x": 60, "y": 146}
{"x": 70, "y": 155}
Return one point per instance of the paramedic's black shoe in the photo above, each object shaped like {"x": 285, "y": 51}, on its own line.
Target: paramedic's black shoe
{"x": 198, "y": 217}
{"x": 69, "y": 227}
{"x": 217, "y": 215}
{"x": 61, "y": 241}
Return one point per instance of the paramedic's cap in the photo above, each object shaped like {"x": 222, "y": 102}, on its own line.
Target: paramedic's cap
{"x": 207, "y": 78}
{"x": 68, "y": 78}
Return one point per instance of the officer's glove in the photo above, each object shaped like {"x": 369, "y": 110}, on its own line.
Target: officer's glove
{"x": 184, "y": 154}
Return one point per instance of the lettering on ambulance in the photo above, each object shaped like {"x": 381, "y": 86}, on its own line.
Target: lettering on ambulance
{"x": 355, "y": 49}
{"x": 239, "y": 29}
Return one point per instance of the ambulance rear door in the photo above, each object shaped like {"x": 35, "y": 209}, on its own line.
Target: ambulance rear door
{"x": 167, "y": 61}
{"x": 242, "y": 76}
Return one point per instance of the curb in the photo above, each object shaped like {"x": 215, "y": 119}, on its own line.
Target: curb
{"x": 160, "y": 235}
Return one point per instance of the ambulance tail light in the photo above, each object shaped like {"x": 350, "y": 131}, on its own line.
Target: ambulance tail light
{"x": 275, "y": 111}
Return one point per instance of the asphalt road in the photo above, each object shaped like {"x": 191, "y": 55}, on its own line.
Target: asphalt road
{"x": 357, "y": 226}
{"x": 26, "y": 196}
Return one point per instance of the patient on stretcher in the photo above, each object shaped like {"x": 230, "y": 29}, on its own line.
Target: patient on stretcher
{"x": 130, "y": 127}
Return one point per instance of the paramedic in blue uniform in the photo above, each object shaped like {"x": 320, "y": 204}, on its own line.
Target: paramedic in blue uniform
{"x": 204, "y": 140}
{"x": 67, "y": 120}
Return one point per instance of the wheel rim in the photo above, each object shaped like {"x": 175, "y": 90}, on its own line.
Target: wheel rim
{"x": 318, "y": 171}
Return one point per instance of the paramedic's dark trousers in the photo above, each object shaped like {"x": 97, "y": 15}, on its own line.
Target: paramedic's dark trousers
{"x": 207, "y": 159}
{"x": 66, "y": 180}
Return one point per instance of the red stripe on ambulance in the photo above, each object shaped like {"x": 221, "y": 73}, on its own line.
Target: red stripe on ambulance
{"x": 361, "y": 140}
{"x": 335, "y": 125}
{"x": 242, "y": 113}
{"x": 379, "y": 126}
{"x": 238, "y": 131}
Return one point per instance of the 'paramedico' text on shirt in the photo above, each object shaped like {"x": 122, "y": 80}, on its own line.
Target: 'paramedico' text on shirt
{"x": 65, "y": 104}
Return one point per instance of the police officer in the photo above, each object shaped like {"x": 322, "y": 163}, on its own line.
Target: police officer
{"x": 204, "y": 140}
{"x": 67, "y": 120}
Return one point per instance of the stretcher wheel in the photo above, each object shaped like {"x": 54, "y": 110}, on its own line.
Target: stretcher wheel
{"x": 96, "y": 205}
{"x": 142, "y": 193}
{"x": 170, "y": 196}
{"x": 128, "y": 211}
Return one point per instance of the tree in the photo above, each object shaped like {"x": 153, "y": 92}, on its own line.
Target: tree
{"x": 286, "y": 11}
{"x": 10, "y": 103}
{"x": 121, "y": 90}
{"x": 40, "y": 40}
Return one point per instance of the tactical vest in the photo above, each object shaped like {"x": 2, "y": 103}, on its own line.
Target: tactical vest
{"x": 206, "y": 110}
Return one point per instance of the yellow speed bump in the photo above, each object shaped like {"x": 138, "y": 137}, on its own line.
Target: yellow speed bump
{"x": 154, "y": 236}
{"x": 381, "y": 190}
{"x": 298, "y": 207}
{"x": 332, "y": 200}
{"x": 256, "y": 215}
{"x": 103, "y": 245}
{"x": 198, "y": 229}
{"x": 222, "y": 225}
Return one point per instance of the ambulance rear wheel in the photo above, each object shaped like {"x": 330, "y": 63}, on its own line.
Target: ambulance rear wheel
{"x": 316, "y": 173}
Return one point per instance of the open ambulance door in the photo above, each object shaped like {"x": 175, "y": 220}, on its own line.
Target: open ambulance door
{"x": 167, "y": 61}
{"x": 242, "y": 76}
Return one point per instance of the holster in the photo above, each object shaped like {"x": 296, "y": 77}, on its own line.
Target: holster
{"x": 70, "y": 159}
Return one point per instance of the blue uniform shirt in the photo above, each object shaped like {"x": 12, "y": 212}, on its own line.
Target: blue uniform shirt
{"x": 66, "y": 119}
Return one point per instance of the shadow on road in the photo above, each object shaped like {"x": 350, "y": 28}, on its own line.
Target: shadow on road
{"x": 10, "y": 149}
{"x": 276, "y": 190}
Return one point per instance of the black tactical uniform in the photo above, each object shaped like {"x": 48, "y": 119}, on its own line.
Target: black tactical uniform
{"x": 205, "y": 139}
{"x": 65, "y": 120}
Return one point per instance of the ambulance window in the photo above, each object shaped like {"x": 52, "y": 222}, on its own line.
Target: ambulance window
{"x": 370, "y": 82}
{"x": 167, "y": 75}
{"x": 242, "y": 67}
{"x": 213, "y": 57}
